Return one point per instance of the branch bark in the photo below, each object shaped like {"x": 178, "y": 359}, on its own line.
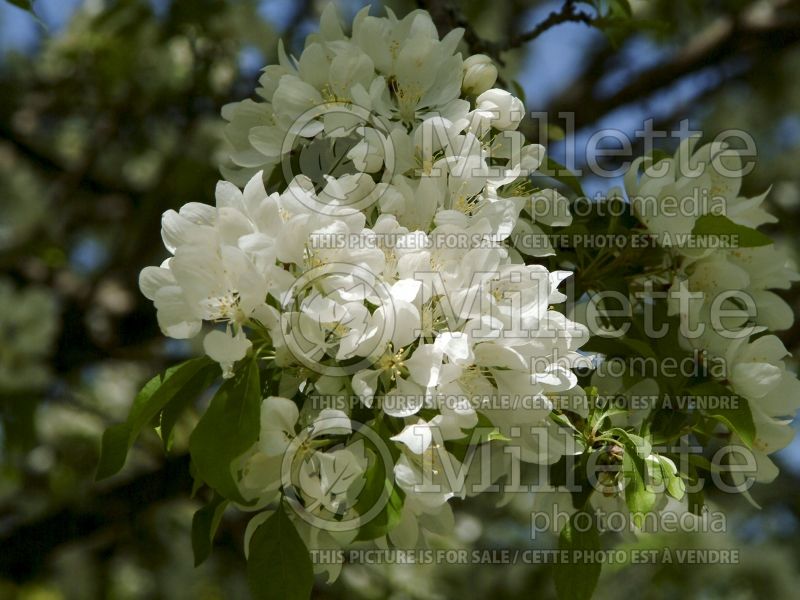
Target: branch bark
{"x": 447, "y": 17}
{"x": 567, "y": 14}
{"x": 724, "y": 40}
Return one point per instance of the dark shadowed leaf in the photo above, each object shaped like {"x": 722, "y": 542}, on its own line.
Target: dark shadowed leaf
{"x": 204, "y": 526}
{"x": 227, "y": 429}
{"x": 279, "y": 566}
{"x": 577, "y": 578}
{"x": 153, "y": 397}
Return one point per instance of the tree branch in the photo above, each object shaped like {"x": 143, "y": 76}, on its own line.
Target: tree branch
{"x": 447, "y": 17}
{"x": 724, "y": 40}
{"x": 567, "y": 14}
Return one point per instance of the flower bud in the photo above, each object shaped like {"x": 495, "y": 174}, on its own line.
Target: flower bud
{"x": 502, "y": 110}
{"x": 479, "y": 74}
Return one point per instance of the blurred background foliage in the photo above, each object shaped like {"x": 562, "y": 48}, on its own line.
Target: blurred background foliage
{"x": 109, "y": 115}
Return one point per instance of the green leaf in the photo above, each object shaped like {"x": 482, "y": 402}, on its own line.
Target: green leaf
{"x": 496, "y": 436}
{"x": 555, "y": 132}
{"x": 23, "y": 4}
{"x": 696, "y": 496}
{"x": 113, "y": 450}
{"x": 737, "y": 417}
{"x": 204, "y": 526}
{"x": 156, "y": 393}
{"x": 378, "y": 487}
{"x": 27, "y": 6}
{"x": 638, "y": 497}
{"x": 183, "y": 399}
{"x": 672, "y": 481}
{"x": 657, "y": 155}
{"x": 560, "y": 419}
{"x": 621, "y": 7}
{"x": 227, "y": 429}
{"x": 718, "y": 225}
{"x": 640, "y": 446}
{"x": 640, "y": 346}
{"x": 197, "y": 483}
{"x": 577, "y": 578}
{"x": 669, "y": 424}
{"x": 596, "y": 416}
{"x": 279, "y": 566}
{"x": 701, "y": 462}
{"x": 571, "y": 472}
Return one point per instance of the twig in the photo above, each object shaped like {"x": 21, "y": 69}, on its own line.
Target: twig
{"x": 447, "y": 18}
{"x": 567, "y": 14}
{"x": 724, "y": 40}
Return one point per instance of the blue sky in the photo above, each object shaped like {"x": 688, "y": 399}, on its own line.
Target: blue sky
{"x": 20, "y": 31}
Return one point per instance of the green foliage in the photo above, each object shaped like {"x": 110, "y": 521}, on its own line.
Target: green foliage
{"x": 204, "y": 527}
{"x": 675, "y": 486}
{"x": 182, "y": 401}
{"x": 23, "y": 4}
{"x": 151, "y": 400}
{"x": 162, "y": 77}
{"x": 26, "y": 5}
{"x": 712, "y": 226}
{"x": 577, "y": 578}
{"x": 379, "y": 488}
{"x": 616, "y": 20}
{"x": 638, "y": 494}
{"x": 735, "y": 415}
{"x": 230, "y": 425}
{"x": 278, "y": 565}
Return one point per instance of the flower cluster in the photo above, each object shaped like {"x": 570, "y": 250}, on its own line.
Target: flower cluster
{"x": 722, "y": 294}
{"x": 710, "y": 278}
{"x": 388, "y": 279}
{"x": 371, "y": 283}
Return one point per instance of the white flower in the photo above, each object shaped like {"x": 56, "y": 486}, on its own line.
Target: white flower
{"x": 324, "y": 478}
{"x": 226, "y": 349}
{"x": 671, "y": 194}
{"x": 426, "y": 471}
{"x": 425, "y": 72}
{"x": 278, "y": 422}
{"x": 479, "y": 74}
{"x": 203, "y": 283}
{"x": 260, "y": 468}
{"x": 333, "y": 479}
{"x": 418, "y": 521}
{"x": 756, "y": 370}
{"x": 322, "y": 326}
{"x": 395, "y": 264}
{"x": 767, "y": 268}
{"x": 397, "y": 69}
{"x": 498, "y": 109}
